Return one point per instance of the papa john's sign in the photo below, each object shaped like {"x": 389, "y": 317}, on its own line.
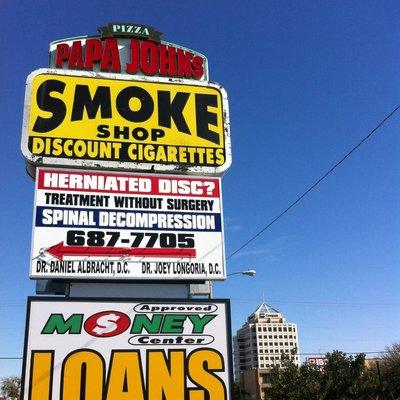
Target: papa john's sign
{"x": 128, "y": 48}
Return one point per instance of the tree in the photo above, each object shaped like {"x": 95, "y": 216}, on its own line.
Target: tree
{"x": 346, "y": 378}
{"x": 342, "y": 378}
{"x": 10, "y": 387}
{"x": 390, "y": 371}
{"x": 310, "y": 385}
{"x": 238, "y": 391}
{"x": 291, "y": 382}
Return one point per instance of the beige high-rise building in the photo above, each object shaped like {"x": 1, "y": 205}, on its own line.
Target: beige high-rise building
{"x": 261, "y": 341}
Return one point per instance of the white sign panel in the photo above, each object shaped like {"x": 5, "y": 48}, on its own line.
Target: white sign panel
{"x": 116, "y": 226}
{"x": 127, "y": 349}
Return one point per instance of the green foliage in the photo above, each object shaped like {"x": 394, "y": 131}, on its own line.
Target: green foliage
{"x": 390, "y": 372}
{"x": 10, "y": 387}
{"x": 294, "y": 383}
{"x": 343, "y": 378}
{"x": 238, "y": 392}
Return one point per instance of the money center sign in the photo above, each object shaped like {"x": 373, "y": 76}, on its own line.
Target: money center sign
{"x": 111, "y": 121}
{"x": 137, "y": 349}
{"x": 92, "y": 225}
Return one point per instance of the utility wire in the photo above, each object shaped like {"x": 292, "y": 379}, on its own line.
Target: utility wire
{"x": 295, "y": 202}
{"x": 345, "y": 352}
{"x": 318, "y": 303}
{"x": 298, "y": 354}
{"x": 315, "y": 184}
{"x": 311, "y": 303}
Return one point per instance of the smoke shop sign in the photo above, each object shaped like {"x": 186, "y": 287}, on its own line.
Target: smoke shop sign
{"x": 75, "y": 119}
{"x": 132, "y": 49}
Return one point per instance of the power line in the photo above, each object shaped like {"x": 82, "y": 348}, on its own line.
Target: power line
{"x": 315, "y": 184}
{"x": 272, "y": 301}
{"x": 311, "y": 302}
{"x": 298, "y": 354}
{"x": 318, "y": 303}
{"x": 346, "y": 352}
{"x": 294, "y": 203}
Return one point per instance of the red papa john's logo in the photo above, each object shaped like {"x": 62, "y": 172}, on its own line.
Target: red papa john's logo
{"x": 107, "y": 324}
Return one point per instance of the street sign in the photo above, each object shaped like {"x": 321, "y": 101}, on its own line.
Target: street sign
{"x": 116, "y": 226}
{"x": 138, "y": 349}
{"x": 110, "y": 121}
{"x": 318, "y": 361}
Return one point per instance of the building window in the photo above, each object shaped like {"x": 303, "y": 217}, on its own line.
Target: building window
{"x": 265, "y": 377}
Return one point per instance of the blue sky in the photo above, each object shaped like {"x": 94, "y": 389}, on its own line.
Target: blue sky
{"x": 306, "y": 81}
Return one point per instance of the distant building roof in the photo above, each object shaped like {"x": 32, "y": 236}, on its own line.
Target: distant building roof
{"x": 263, "y": 311}
{"x": 264, "y": 308}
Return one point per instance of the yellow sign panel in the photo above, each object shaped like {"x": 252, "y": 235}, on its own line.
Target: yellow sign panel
{"x": 116, "y": 123}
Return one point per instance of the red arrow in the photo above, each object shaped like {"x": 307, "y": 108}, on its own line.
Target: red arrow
{"x": 60, "y": 251}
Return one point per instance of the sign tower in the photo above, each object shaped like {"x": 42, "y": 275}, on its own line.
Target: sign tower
{"x": 127, "y": 140}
